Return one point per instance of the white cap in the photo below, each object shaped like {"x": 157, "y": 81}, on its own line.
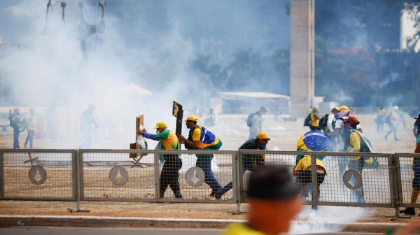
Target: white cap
{"x": 396, "y": 107}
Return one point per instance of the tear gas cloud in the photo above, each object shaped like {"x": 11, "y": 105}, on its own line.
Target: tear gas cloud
{"x": 147, "y": 43}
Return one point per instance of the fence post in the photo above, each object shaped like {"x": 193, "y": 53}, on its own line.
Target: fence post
{"x": 398, "y": 188}
{"x": 79, "y": 182}
{"x": 1, "y": 176}
{"x": 314, "y": 179}
{"x": 236, "y": 176}
{"x": 156, "y": 171}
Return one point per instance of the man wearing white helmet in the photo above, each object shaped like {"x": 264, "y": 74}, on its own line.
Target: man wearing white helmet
{"x": 392, "y": 120}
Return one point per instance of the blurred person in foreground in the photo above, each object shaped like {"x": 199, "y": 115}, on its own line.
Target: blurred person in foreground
{"x": 273, "y": 202}
{"x": 173, "y": 163}
{"x": 249, "y": 161}
{"x": 202, "y": 139}
{"x": 15, "y": 122}
{"x": 380, "y": 120}
{"x": 86, "y": 121}
{"x": 392, "y": 120}
{"x": 255, "y": 121}
{"x": 416, "y": 168}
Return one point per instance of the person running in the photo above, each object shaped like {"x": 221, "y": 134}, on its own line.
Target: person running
{"x": 416, "y": 168}
{"x": 86, "y": 121}
{"x": 255, "y": 126}
{"x": 314, "y": 119}
{"x": 30, "y": 124}
{"x": 200, "y": 117}
{"x": 303, "y": 173}
{"x": 15, "y": 122}
{"x": 353, "y": 143}
{"x": 250, "y": 161}
{"x": 211, "y": 119}
{"x": 202, "y": 139}
{"x": 173, "y": 163}
{"x": 381, "y": 114}
{"x": 273, "y": 203}
{"x": 392, "y": 120}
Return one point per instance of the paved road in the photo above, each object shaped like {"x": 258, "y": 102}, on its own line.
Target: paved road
{"x": 119, "y": 231}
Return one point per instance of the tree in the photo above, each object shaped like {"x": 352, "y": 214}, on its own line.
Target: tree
{"x": 245, "y": 70}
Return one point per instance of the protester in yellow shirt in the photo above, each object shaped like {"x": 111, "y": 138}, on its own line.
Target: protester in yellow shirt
{"x": 381, "y": 112}
{"x": 354, "y": 145}
{"x": 303, "y": 172}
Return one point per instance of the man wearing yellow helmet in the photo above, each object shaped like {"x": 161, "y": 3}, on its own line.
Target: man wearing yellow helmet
{"x": 173, "y": 163}
{"x": 202, "y": 139}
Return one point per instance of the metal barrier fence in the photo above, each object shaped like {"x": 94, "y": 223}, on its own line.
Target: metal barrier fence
{"x": 38, "y": 174}
{"x": 340, "y": 179}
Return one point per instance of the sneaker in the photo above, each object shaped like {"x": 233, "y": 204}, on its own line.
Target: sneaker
{"x": 218, "y": 196}
{"x": 408, "y": 211}
{"x": 212, "y": 194}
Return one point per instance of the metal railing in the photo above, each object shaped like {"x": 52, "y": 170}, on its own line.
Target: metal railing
{"x": 38, "y": 174}
{"x": 199, "y": 176}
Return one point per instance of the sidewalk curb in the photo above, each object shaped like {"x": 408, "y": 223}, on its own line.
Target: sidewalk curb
{"x": 144, "y": 222}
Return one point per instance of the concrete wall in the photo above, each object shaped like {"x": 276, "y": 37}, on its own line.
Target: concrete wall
{"x": 302, "y": 59}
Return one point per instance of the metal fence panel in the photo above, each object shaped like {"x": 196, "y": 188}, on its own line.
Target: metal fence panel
{"x": 406, "y": 176}
{"x": 202, "y": 174}
{"x": 351, "y": 182}
{"x": 112, "y": 175}
{"x": 38, "y": 174}
{"x": 247, "y": 164}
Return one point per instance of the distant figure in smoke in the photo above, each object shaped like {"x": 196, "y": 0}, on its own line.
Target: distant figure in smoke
{"x": 200, "y": 117}
{"x": 15, "y": 122}
{"x": 402, "y": 119}
{"x": 314, "y": 117}
{"x": 201, "y": 139}
{"x": 86, "y": 121}
{"x": 211, "y": 119}
{"x": 29, "y": 123}
{"x": 380, "y": 120}
{"x": 392, "y": 121}
{"x": 254, "y": 122}
{"x": 194, "y": 111}
{"x": 51, "y": 116}
{"x": 250, "y": 161}
{"x": 416, "y": 168}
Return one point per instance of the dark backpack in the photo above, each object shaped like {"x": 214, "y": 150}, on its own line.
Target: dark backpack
{"x": 308, "y": 120}
{"x": 388, "y": 118}
{"x": 323, "y": 121}
{"x": 249, "y": 120}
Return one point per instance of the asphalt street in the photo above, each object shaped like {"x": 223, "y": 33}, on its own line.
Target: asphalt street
{"x": 119, "y": 231}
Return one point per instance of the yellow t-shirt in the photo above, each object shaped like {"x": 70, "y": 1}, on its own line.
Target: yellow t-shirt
{"x": 197, "y": 137}
{"x": 241, "y": 229}
{"x": 354, "y": 145}
{"x": 315, "y": 121}
{"x": 381, "y": 112}
{"x": 32, "y": 124}
{"x": 305, "y": 162}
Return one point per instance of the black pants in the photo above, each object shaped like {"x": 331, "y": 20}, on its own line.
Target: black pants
{"x": 16, "y": 133}
{"x": 169, "y": 175}
{"x": 305, "y": 177}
